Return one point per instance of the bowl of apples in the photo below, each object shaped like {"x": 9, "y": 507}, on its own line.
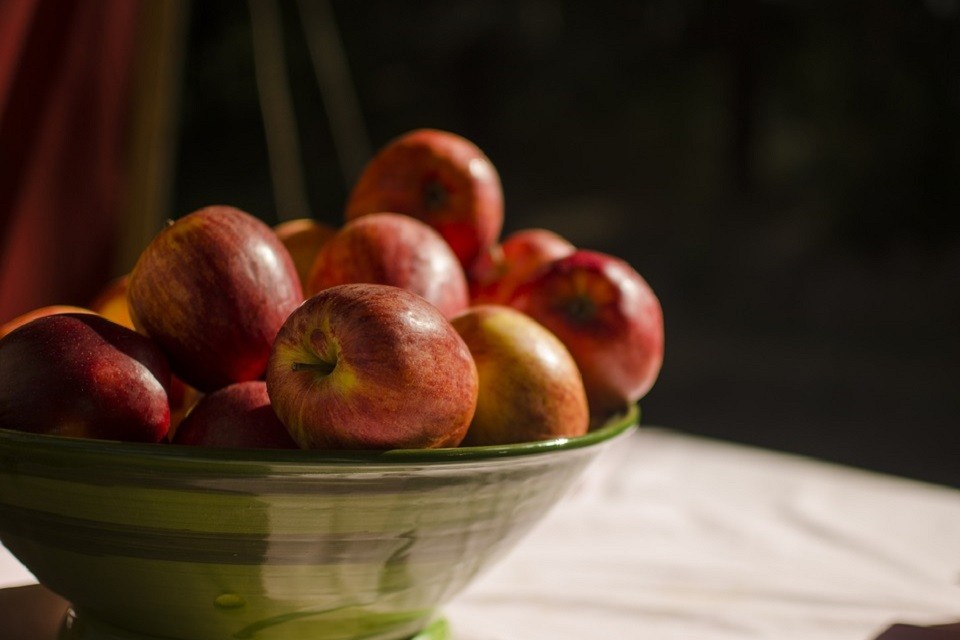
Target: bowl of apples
{"x": 259, "y": 434}
{"x": 197, "y": 543}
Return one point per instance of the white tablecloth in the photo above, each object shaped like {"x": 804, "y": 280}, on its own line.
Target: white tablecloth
{"x": 672, "y": 536}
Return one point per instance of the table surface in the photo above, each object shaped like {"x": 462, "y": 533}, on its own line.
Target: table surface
{"x": 674, "y": 536}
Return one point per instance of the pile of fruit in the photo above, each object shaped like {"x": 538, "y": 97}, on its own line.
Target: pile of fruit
{"x": 413, "y": 325}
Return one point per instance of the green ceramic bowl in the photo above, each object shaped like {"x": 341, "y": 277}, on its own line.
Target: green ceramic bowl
{"x": 185, "y": 543}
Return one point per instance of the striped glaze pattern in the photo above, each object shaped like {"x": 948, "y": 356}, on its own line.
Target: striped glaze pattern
{"x": 184, "y": 543}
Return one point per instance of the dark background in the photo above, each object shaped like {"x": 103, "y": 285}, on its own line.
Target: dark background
{"x": 786, "y": 176}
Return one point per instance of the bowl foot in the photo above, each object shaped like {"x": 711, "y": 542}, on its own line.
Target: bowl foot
{"x": 86, "y": 627}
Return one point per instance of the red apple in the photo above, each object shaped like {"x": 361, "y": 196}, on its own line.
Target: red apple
{"x": 499, "y": 271}
{"x": 303, "y": 237}
{"x": 39, "y": 312}
{"x": 81, "y": 375}
{"x": 393, "y": 249}
{"x": 238, "y": 416}
{"x": 530, "y": 387}
{"x": 370, "y": 366}
{"x": 608, "y": 317}
{"x": 440, "y": 178}
{"x": 111, "y": 302}
{"x": 212, "y": 289}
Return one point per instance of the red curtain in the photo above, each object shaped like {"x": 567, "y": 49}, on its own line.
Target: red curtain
{"x": 66, "y": 70}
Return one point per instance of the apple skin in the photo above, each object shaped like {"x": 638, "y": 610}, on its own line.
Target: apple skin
{"x": 396, "y": 250}
{"x": 608, "y": 317}
{"x": 303, "y": 237}
{"x": 530, "y": 386}
{"x": 111, "y": 301}
{"x": 238, "y": 416}
{"x": 438, "y": 177}
{"x": 212, "y": 289}
{"x": 81, "y": 375}
{"x": 370, "y": 366}
{"x": 507, "y": 265}
{"x": 39, "y": 312}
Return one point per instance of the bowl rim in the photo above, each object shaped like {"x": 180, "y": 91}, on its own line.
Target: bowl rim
{"x": 616, "y": 425}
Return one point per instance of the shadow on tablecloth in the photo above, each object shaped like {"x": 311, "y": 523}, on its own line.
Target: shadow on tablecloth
{"x": 911, "y": 632}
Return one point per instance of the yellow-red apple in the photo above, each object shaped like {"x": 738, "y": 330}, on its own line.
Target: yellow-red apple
{"x": 183, "y": 397}
{"x": 499, "y": 271}
{"x": 530, "y": 387}
{"x": 212, "y": 289}
{"x": 111, "y": 302}
{"x": 237, "y": 416}
{"x": 392, "y": 249}
{"x": 608, "y": 317}
{"x": 370, "y": 366}
{"x": 303, "y": 237}
{"x": 81, "y": 375}
{"x": 440, "y": 178}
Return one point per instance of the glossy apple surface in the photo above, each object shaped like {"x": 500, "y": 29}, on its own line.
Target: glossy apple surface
{"x": 369, "y": 366}
{"x": 81, "y": 375}
{"x": 212, "y": 289}
{"x": 238, "y": 416}
{"x": 608, "y": 317}
{"x": 303, "y": 237}
{"x": 440, "y": 178}
{"x": 39, "y": 312}
{"x": 392, "y": 249}
{"x": 507, "y": 265}
{"x": 530, "y": 387}
{"x": 112, "y": 304}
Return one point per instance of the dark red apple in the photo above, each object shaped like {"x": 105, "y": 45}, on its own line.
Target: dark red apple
{"x": 440, "y": 178}
{"x": 39, "y": 312}
{"x": 238, "y": 416}
{"x": 111, "y": 303}
{"x": 393, "y": 249}
{"x": 212, "y": 289}
{"x": 608, "y": 317}
{"x": 81, "y": 375}
{"x": 507, "y": 265}
{"x": 370, "y": 366}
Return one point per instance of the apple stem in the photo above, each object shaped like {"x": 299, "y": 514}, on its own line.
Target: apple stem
{"x": 434, "y": 195}
{"x": 322, "y": 367}
{"x": 581, "y": 309}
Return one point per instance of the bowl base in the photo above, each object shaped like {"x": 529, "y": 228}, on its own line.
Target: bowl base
{"x": 86, "y": 627}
